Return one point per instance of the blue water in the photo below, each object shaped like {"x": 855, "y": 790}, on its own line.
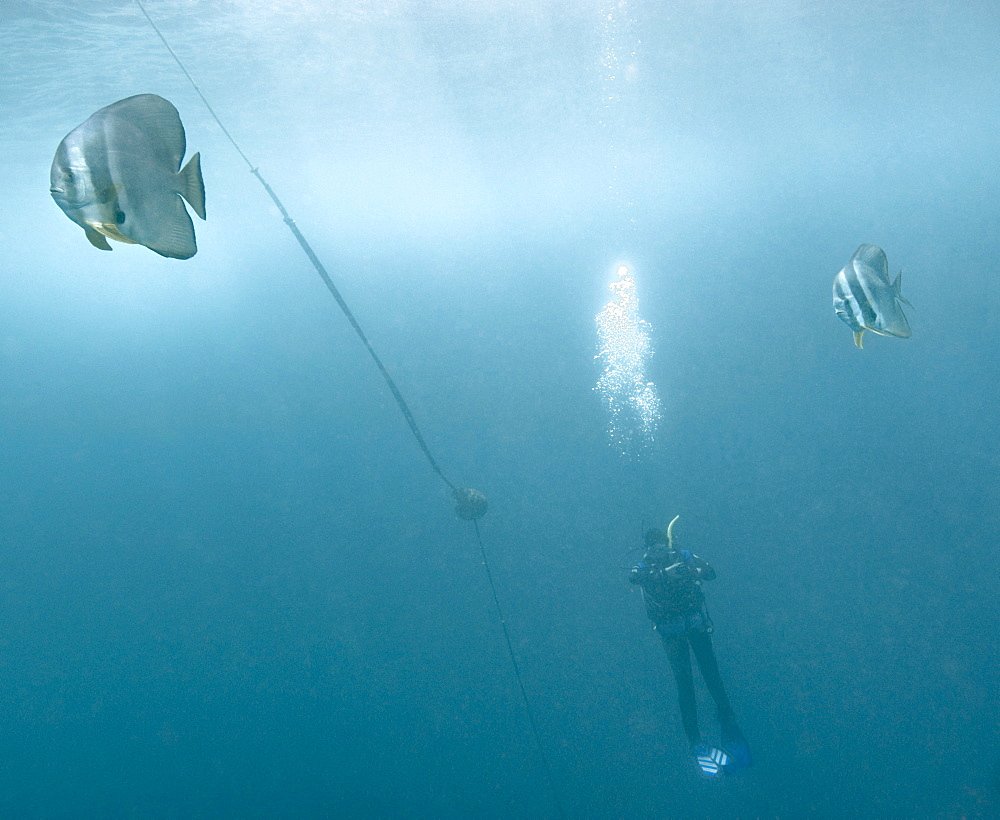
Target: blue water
{"x": 232, "y": 586}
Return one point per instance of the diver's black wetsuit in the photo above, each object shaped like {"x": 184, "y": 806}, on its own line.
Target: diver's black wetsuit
{"x": 671, "y": 588}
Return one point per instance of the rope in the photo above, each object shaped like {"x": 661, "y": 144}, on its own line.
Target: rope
{"x": 517, "y": 674}
{"x": 461, "y": 496}
{"x": 400, "y": 401}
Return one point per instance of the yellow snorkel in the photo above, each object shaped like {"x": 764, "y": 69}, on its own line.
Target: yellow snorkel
{"x": 670, "y": 533}
{"x": 671, "y": 550}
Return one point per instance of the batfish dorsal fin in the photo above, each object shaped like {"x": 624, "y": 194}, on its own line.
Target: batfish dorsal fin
{"x": 873, "y": 257}
{"x": 157, "y": 118}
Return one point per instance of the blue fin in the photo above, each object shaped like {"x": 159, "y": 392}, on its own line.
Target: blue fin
{"x": 735, "y": 745}
{"x": 710, "y": 760}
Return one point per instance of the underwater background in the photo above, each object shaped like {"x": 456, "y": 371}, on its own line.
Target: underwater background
{"x": 230, "y": 585}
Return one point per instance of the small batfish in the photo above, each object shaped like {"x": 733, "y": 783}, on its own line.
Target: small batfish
{"x": 865, "y": 299}
{"x": 119, "y": 176}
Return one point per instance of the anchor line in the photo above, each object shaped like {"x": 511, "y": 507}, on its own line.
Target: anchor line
{"x": 320, "y": 269}
{"x": 520, "y": 682}
{"x": 397, "y": 395}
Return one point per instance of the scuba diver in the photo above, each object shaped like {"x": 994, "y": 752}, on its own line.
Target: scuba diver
{"x": 670, "y": 580}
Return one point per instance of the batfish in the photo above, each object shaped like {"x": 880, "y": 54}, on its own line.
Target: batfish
{"x": 119, "y": 175}
{"x": 865, "y": 299}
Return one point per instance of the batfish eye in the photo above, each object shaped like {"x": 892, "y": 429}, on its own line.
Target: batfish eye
{"x": 120, "y": 216}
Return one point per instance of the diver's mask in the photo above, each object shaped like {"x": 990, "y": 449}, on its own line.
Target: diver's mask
{"x": 657, "y": 554}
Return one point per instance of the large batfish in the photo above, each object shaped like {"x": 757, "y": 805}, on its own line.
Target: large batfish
{"x": 865, "y": 299}
{"x": 119, "y": 175}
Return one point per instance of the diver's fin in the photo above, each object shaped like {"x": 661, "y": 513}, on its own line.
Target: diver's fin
{"x": 735, "y": 745}
{"x": 96, "y": 239}
{"x": 710, "y": 760}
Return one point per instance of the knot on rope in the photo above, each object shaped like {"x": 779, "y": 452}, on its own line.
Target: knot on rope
{"x": 470, "y": 504}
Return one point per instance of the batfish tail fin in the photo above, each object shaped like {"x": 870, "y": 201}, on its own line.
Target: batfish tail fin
{"x": 192, "y": 186}
{"x": 897, "y": 289}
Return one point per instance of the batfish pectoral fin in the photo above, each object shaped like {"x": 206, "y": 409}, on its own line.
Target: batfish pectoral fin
{"x": 96, "y": 239}
{"x": 857, "y": 338}
{"x": 111, "y": 231}
{"x": 192, "y": 186}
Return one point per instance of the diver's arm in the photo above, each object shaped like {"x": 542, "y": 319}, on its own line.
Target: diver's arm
{"x": 703, "y": 570}
{"x": 640, "y": 572}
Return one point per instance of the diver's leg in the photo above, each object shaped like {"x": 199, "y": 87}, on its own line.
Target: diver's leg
{"x": 732, "y": 740}
{"x": 680, "y": 663}
{"x": 701, "y": 643}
